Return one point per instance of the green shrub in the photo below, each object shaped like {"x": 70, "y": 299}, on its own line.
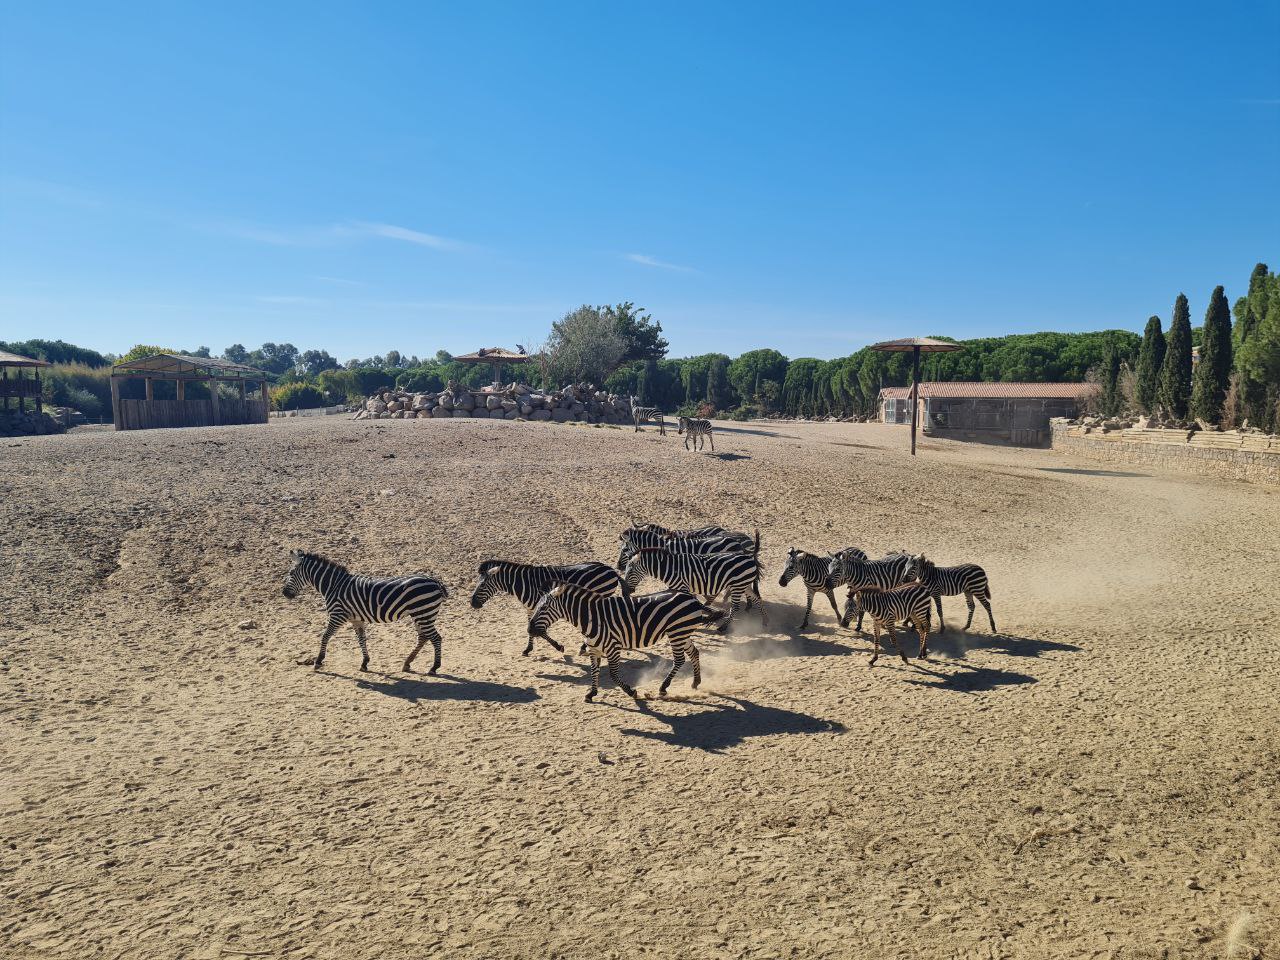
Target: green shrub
{"x": 296, "y": 396}
{"x": 78, "y": 385}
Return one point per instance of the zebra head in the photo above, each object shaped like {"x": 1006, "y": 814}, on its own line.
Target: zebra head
{"x": 550, "y": 609}
{"x": 684, "y": 422}
{"x": 627, "y": 550}
{"x": 635, "y": 570}
{"x": 296, "y": 577}
{"x": 921, "y": 567}
{"x": 841, "y": 561}
{"x": 792, "y": 569}
{"x": 488, "y": 584}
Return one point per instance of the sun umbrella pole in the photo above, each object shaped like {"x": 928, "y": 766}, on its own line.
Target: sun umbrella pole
{"x": 915, "y": 395}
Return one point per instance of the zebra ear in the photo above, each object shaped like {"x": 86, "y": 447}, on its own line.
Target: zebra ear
{"x": 557, "y": 589}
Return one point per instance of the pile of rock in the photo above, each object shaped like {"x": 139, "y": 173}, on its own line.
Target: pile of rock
{"x": 516, "y": 401}
{"x": 1156, "y": 421}
{"x": 22, "y": 423}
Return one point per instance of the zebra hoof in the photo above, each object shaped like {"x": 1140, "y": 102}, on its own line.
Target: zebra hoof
{"x": 432, "y": 671}
{"x": 407, "y": 668}
{"x": 590, "y": 696}
{"x": 364, "y": 668}
{"x": 306, "y": 662}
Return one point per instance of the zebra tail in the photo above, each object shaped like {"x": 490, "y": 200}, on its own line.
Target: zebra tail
{"x": 756, "y": 553}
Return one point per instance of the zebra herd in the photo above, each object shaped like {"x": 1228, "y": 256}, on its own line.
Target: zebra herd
{"x": 695, "y": 566}
{"x": 692, "y": 428}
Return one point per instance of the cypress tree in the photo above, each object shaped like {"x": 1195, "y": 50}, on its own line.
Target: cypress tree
{"x": 1150, "y": 357}
{"x": 1213, "y": 372}
{"x": 1249, "y": 311}
{"x": 1175, "y": 372}
{"x": 1112, "y": 401}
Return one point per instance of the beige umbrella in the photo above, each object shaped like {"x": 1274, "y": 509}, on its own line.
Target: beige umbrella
{"x": 916, "y": 346}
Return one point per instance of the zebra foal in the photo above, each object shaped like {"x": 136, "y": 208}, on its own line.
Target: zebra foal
{"x": 697, "y": 430}
{"x": 814, "y": 570}
{"x": 737, "y": 574}
{"x": 614, "y": 624}
{"x": 907, "y": 603}
{"x": 529, "y": 583}
{"x": 967, "y": 578}
{"x": 360, "y": 600}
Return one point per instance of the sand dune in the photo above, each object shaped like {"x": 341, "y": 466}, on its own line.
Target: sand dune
{"x": 1102, "y": 778}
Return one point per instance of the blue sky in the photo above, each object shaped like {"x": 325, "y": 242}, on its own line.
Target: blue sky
{"x": 810, "y": 177}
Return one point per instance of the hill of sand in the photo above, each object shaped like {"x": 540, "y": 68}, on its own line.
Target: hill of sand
{"x": 1099, "y": 779}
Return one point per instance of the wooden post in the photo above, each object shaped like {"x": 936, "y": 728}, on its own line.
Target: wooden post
{"x": 180, "y": 386}
{"x": 243, "y": 392}
{"x": 915, "y": 395}
{"x": 39, "y": 399}
{"x": 4, "y": 375}
{"x": 213, "y": 396}
{"x": 115, "y": 401}
{"x": 150, "y": 390}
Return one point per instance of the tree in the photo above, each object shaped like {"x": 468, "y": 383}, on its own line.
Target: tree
{"x": 56, "y": 351}
{"x": 584, "y": 345}
{"x": 1150, "y": 359}
{"x": 1213, "y": 372}
{"x": 277, "y": 358}
{"x": 143, "y": 350}
{"x": 746, "y": 372}
{"x": 203, "y": 352}
{"x": 638, "y": 330}
{"x": 718, "y": 391}
{"x": 1251, "y": 346}
{"x": 314, "y": 362}
{"x": 236, "y": 353}
{"x": 1109, "y": 377}
{"x": 1175, "y": 372}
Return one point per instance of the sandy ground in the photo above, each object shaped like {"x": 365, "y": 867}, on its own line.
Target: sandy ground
{"x": 1101, "y": 778}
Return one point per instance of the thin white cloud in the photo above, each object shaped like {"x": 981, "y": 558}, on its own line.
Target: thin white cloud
{"x": 334, "y": 234}
{"x": 290, "y": 300}
{"x": 393, "y": 232}
{"x": 645, "y": 260}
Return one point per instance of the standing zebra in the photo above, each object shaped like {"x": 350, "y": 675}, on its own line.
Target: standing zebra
{"x": 908, "y": 603}
{"x": 701, "y": 533}
{"x": 814, "y": 570}
{"x": 967, "y": 578}
{"x": 836, "y": 567}
{"x": 359, "y": 600}
{"x": 696, "y": 429}
{"x": 706, "y": 575}
{"x": 641, "y": 415}
{"x": 884, "y": 573}
{"x": 614, "y": 624}
{"x": 637, "y": 539}
{"x": 529, "y": 583}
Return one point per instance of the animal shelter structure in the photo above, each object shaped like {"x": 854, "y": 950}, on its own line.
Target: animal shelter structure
{"x": 915, "y": 346}
{"x": 1013, "y": 413}
{"x": 192, "y": 392}
{"x": 18, "y": 385}
{"x": 496, "y": 358}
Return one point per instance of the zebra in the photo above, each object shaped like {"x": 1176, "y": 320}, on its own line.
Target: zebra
{"x": 967, "y": 578}
{"x": 614, "y": 624}
{"x": 738, "y": 574}
{"x": 635, "y": 539}
{"x": 884, "y": 573}
{"x": 908, "y": 603}
{"x": 836, "y": 567}
{"x": 360, "y": 600}
{"x": 695, "y": 429}
{"x": 814, "y": 570}
{"x": 528, "y": 583}
{"x": 641, "y": 415}
{"x": 701, "y": 533}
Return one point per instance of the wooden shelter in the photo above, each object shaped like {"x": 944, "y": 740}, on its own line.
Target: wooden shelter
{"x": 916, "y": 346}
{"x": 20, "y": 385}
{"x": 1017, "y": 413}
{"x": 181, "y": 410}
{"x": 495, "y": 357}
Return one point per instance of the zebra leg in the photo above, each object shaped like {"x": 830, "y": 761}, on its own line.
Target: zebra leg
{"x": 335, "y": 621}
{"x": 922, "y": 628}
{"x": 425, "y": 632}
{"x": 858, "y": 628}
{"x": 733, "y": 611}
{"x": 712, "y": 438}
{"x": 941, "y": 623}
{"x": 875, "y": 642}
{"x": 662, "y": 426}
{"x": 832, "y": 597}
{"x": 893, "y": 637}
{"x": 697, "y": 665}
{"x": 615, "y": 661}
{"x": 364, "y": 646}
{"x": 808, "y": 607}
{"x": 987, "y": 603}
{"x": 677, "y": 654}
{"x": 595, "y": 678}
{"x": 968, "y": 598}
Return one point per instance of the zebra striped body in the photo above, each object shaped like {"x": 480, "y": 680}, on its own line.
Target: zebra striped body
{"x": 836, "y": 568}
{"x": 706, "y": 575}
{"x": 360, "y": 600}
{"x": 701, "y": 533}
{"x": 908, "y": 603}
{"x": 967, "y": 578}
{"x": 696, "y": 430}
{"x": 641, "y": 415}
{"x": 638, "y": 539}
{"x": 814, "y": 570}
{"x": 614, "y": 624}
{"x": 529, "y": 583}
{"x": 884, "y": 573}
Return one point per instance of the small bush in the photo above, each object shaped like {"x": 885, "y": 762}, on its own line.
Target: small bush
{"x": 296, "y": 396}
{"x": 78, "y": 385}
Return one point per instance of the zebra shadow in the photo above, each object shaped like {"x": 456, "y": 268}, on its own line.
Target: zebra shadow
{"x": 966, "y": 678}
{"x": 957, "y": 644}
{"x": 442, "y": 686}
{"x": 729, "y": 456}
{"x": 728, "y": 724}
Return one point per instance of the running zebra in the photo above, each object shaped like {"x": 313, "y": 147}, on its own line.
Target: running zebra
{"x": 908, "y": 603}
{"x": 696, "y": 430}
{"x": 614, "y": 624}
{"x": 635, "y": 539}
{"x": 884, "y": 573}
{"x": 359, "y": 601}
{"x": 529, "y": 583}
{"x": 701, "y": 533}
{"x": 836, "y": 568}
{"x": 641, "y": 415}
{"x": 968, "y": 578}
{"x": 738, "y": 574}
{"x": 814, "y": 570}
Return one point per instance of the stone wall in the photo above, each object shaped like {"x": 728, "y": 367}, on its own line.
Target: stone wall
{"x": 15, "y": 423}
{"x": 577, "y": 402}
{"x": 1252, "y": 457}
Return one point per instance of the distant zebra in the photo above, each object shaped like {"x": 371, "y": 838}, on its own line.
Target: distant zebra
{"x": 967, "y": 578}
{"x": 614, "y": 624}
{"x": 529, "y": 583}
{"x": 641, "y": 415}
{"x": 635, "y": 539}
{"x": 884, "y": 573}
{"x": 814, "y": 570}
{"x": 738, "y": 574}
{"x": 908, "y": 603}
{"x": 696, "y": 429}
{"x": 360, "y": 600}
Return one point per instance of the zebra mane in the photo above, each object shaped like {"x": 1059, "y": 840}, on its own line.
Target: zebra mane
{"x": 926, "y": 565}
{"x": 322, "y": 561}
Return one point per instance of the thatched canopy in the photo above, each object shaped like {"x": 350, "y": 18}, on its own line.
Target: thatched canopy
{"x": 912, "y": 344}
{"x": 170, "y": 366}
{"x": 493, "y": 355}
{"x": 17, "y": 360}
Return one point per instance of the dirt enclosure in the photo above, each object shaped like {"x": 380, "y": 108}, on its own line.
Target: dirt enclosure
{"x": 1099, "y": 779}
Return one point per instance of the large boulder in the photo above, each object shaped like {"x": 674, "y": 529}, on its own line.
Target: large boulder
{"x": 493, "y": 401}
{"x": 462, "y": 413}
{"x": 440, "y": 413}
{"x": 541, "y": 415}
{"x": 561, "y": 415}
{"x": 497, "y": 414}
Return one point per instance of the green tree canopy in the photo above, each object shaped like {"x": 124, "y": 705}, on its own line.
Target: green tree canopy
{"x": 1213, "y": 372}
{"x": 1150, "y": 360}
{"x": 1175, "y": 373}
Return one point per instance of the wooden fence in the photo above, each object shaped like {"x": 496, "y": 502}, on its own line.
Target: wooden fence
{"x": 150, "y": 414}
